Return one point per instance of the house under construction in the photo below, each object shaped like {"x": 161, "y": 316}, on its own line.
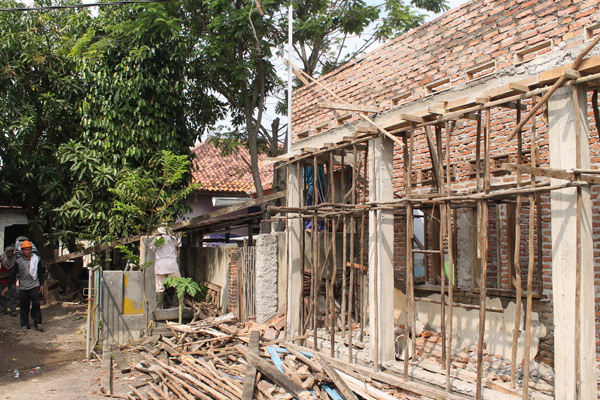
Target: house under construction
{"x": 445, "y": 186}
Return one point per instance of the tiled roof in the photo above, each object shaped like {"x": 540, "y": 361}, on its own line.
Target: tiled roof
{"x": 230, "y": 174}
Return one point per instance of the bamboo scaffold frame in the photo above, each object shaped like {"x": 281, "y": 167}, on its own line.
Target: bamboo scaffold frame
{"x": 348, "y": 202}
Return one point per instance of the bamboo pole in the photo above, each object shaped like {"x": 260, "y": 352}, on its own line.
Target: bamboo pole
{"x": 315, "y": 252}
{"x": 451, "y": 262}
{"x": 352, "y": 246}
{"x": 351, "y": 288}
{"x": 516, "y": 261}
{"x": 344, "y": 249}
{"x": 530, "y": 269}
{"x": 482, "y": 211}
{"x": 412, "y": 234}
{"x": 408, "y": 251}
{"x": 369, "y": 120}
{"x": 332, "y": 314}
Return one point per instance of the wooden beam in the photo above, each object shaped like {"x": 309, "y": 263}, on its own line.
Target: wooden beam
{"x": 339, "y": 383}
{"x": 519, "y": 86}
{"x": 250, "y": 379}
{"x": 412, "y": 118}
{"x": 275, "y": 375}
{"x": 227, "y": 210}
{"x": 347, "y": 107}
{"x": 551, "y": 173}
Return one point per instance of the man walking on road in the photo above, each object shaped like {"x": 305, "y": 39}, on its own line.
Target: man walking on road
{"x": 30, "y": 286}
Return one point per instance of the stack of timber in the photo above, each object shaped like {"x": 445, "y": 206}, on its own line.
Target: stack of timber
{"x": 218, "y": 358}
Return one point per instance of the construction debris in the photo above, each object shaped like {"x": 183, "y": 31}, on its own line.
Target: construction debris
{"x": 218, "y": 358}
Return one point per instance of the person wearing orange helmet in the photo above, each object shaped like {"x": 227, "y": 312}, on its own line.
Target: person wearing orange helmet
{"x": 27, "y": 268}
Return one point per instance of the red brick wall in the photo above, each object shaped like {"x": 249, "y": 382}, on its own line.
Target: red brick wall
{"x": 474, "y": 34}
{"x": 233, "y": 282}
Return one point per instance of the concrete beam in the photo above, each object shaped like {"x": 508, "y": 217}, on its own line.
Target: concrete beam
{"x": 567, "y": 114}
{"x": 381, "y": 251}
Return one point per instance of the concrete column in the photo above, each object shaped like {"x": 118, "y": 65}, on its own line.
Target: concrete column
{"x": 467, "y": 249}
{"x": 381, "y": 251}
{"x": 567, "y": 113}
{"x": 266, "y": 277}
{"x": 294, "y": 265}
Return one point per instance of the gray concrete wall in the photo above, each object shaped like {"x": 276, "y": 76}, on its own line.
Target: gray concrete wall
{"x": 124, "y": 316}
{"x": 210, "y": 264}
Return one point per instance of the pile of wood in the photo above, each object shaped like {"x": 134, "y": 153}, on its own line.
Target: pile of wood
{"x": 215, "y": 358}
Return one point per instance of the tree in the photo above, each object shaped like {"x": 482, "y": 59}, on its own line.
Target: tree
{"x": 322, "y": 28}
{"x": 39, "y": 93}
{"x": 236, "y": 62}
{"x": 137, "y": 106}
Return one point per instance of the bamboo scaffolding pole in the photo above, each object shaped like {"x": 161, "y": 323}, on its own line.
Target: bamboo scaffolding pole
{"x": 351, "y": 288}
{"x": 451, "y": 263}
{"x": 482, "y": 215}
{"x": 531, "y": 265}
{"x": 315, "y": 252}
{"x": 335, "y": 220}
{"x": 412, "y": 307}
{"x": 352, "y": 246}
{"x": 443, "y": 234}
{"x": 483, "y": 239}
{"x": 408, "y": 261}
{"x": 344, "y": 248}
{"x": 367, "y": 119}
{"x": 517, "y": 261}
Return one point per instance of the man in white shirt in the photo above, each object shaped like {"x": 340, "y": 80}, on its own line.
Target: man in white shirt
{"x": 165, "y": 247}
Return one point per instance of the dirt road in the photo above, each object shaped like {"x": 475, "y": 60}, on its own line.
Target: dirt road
{"x": 50, "y": 364}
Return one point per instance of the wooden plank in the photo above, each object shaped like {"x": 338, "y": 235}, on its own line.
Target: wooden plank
{"x": 339, "y": 383}
{"x": 250, "y": 379}
{"x": 551, "y": 173}
{"x": 106, "y": 385}
{"x": 91, "y": 250}
{"x": 121, "y": 363}
{"x": 412, "y": 118}
{"x": 590, "y": 65}
{"x": 348, "y": 107}
{"x": 279, "y": 378}
{"x": 227, "y": 210}
{"x": 519, "y": 87}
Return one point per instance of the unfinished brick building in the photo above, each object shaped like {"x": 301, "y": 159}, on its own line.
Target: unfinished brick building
{"x": 465, "y": 151}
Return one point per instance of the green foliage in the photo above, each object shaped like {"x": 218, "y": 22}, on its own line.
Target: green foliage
{"x": 152, "y": 196}
{"x": 185, "y": 286}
